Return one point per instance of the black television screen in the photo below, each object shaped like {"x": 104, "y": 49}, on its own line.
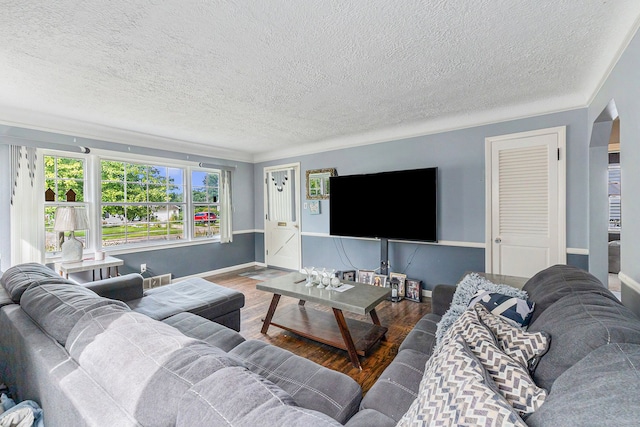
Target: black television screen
{"x": 395, "y": 205}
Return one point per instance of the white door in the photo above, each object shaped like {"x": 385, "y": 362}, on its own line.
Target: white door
{"x": 526, "y": 220}
{"x": 282, "y": 217}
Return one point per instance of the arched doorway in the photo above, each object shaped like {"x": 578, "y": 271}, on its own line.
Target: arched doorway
{"x": 605, "y": 199}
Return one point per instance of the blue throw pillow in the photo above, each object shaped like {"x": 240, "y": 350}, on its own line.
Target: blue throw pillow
{"x": 516, "y": 310}
{"x": 465, "y": 290}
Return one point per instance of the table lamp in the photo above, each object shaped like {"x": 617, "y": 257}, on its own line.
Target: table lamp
{"x": 70, "y": 219}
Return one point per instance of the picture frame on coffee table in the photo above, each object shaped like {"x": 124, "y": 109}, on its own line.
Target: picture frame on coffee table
{"x": 401, "y": 282}
{"x": 349, "y": 275}
{"x": 365, "y": 276}
{"x": 379, "y": 280}
{"x": 413, "y": 290}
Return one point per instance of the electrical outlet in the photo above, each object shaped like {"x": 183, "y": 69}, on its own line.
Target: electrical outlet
{"x": 143, "y": 268}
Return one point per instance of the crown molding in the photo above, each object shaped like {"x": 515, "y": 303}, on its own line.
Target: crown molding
{"x": 102, "y": 135}
{"x": 597, "y": 87}
{"x": 431, "y": 127}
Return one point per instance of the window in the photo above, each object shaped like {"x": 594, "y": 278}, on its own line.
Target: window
{"x": 615, "y": 220}
{"x": 131, "y": 202}
{"x": 62, "y": 174}
{"x": 205, "y": 194}
{"x": 141, "y": 203}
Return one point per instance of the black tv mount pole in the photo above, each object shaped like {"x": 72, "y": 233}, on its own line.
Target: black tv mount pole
{"x": 384, "y": 255}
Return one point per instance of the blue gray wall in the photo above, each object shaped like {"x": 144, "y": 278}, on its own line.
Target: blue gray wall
{"x": 623, "y": 87}
{"x": 459, "y": 156}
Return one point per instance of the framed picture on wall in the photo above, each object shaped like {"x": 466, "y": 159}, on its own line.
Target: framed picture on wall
{"x": 401, "y": 282}
{"x": 365, "y": 276}
{"x": 413, "y": 290}
{"x": 314, "y": 207}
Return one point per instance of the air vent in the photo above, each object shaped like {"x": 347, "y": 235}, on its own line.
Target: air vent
{"x": 155, "y": 281}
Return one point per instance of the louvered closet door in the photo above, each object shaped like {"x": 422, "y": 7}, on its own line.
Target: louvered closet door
{"x": 525, "y": 211}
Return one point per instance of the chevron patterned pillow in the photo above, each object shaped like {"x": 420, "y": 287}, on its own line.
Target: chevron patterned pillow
{"x": 525, "y": 347}
{"x": 511, "y": 377}
{"x": 457, "y": 391}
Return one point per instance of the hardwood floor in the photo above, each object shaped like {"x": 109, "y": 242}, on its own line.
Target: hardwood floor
{"x": 398, "y": 317}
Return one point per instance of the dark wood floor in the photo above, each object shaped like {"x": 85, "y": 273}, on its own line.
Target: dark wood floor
{"x": 398, "y": 317}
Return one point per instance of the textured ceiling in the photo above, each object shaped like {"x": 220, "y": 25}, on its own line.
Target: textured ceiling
{"x": 262, "y": 79}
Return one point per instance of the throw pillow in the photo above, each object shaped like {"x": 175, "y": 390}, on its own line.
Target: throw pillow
{"x": 525, "y": 347}
{"x": 456, "y": 390}
{"x": 515, "y": 310}
{"x": 465, "y": 290}
{"x": 512, "y": 379}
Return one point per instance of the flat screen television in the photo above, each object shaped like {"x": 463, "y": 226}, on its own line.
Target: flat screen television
{"x": 398, "y": 205}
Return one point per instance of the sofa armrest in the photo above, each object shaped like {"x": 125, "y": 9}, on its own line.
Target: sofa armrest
{"x": 123, "y": 288}
{"x": 441, "y": 297}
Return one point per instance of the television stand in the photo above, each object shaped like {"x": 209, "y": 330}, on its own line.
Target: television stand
{"x": 384, "y": 255}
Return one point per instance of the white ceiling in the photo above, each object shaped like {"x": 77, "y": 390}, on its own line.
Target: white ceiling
{"x": 256, "y": 80}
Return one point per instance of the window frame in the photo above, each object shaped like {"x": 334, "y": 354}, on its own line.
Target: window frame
{"x": 208, "y": 204}
{"x": 126, "y": 204}
{"x": 93, "y": 201}
{"x": 85, "y": 203}
{"x": 614, "y": 199}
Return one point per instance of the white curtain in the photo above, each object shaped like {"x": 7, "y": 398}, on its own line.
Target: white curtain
{"x": 280, "y": 191}
{"x": 226, "y": 209}
{"x": 27, "y": 206}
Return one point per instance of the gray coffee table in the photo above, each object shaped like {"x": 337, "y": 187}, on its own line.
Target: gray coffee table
{"x": 352, "y": 335}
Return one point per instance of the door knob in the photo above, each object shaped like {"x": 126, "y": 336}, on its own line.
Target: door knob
{"x": 498, "y": 240}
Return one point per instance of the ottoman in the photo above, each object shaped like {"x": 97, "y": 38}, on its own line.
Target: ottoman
{"x": 195, "y": 295}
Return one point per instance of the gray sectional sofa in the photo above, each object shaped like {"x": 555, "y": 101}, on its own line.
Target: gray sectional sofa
{"x": 94, "y": 361}
{"x": 591, "y": 370}
{"x": 91, "y": 360}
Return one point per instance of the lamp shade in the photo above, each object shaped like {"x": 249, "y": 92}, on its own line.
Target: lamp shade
{"x": 69, "y": 218}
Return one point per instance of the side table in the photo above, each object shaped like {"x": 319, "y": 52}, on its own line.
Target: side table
{"x": 65, "y": 268}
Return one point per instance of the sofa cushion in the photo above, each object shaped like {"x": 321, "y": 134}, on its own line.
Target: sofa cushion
{"x": 5, "y": 298}
{"x": 96, "y": 321}
{"x": 123, "y": 288}
{"x": 578, "y": 324}
{"x": 238, "y": 397}
{"x": 600, "y": 390}
{"x": 145, "y": 365}
{"x": 203, "y": 329}
{"x": 549, "y": 285}
{"x": 512, "y": 378}
{"x": 422, "y": 337}
{"x": 57, "y": 308}
{"x": 311, "y": 385}
{"x": 524, "y": 347}
{"x": 18, "y": 278}
{"x": 398, "y": 385}
{"x": 456, "y": 390}
{"x": 194, "y": 295}
{"x": 371, "y": 417}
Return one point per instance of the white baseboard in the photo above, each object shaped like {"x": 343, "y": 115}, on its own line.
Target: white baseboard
{"x": 219, "y": 271}
{"x": 426, "y": 293}
{"x": 629, "y": 281}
